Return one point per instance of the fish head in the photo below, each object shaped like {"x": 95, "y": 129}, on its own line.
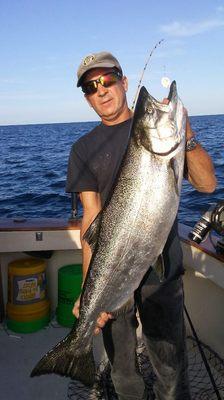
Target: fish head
{"x": 159, "y": 127}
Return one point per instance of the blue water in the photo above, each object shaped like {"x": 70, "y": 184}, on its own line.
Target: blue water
{"x": 34, "y": 163}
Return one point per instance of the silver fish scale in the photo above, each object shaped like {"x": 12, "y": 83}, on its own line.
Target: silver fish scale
{"x": 130, "y": 240}
{"x": 136, "y": 222}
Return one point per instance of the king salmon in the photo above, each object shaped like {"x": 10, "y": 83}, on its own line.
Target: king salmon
{"x": 130, "y": 232}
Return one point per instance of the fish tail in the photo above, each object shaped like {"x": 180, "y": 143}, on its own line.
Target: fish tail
{"x": 66, "y": 359}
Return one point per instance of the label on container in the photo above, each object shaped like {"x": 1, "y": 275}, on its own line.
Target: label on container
{"x": 29, "y": 289}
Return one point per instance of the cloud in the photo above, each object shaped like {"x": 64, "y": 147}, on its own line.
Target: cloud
{"x": 184, "y": 29}
{"x": 220, "y": 9}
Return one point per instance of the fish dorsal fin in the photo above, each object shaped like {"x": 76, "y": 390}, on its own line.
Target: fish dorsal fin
{"x": 92, "y": 233}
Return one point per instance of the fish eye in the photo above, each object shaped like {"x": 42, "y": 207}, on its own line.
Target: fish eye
{"x": 149, "y": 110}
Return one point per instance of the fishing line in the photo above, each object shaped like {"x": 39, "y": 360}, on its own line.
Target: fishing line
{"x": 143, "y": 71}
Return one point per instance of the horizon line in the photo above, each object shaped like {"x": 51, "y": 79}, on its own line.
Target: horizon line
{"x": 82, "y": 122}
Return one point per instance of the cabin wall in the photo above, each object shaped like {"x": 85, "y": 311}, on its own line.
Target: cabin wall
{"x": 204, "y": 301}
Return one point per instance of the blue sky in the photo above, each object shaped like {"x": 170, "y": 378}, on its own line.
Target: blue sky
{"x": 42, "y": 43}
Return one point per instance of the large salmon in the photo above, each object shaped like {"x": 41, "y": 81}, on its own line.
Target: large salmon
{"x": 131, "y": 230}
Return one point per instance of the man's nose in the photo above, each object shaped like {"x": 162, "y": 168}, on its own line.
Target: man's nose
{"x": 101, "y": 90}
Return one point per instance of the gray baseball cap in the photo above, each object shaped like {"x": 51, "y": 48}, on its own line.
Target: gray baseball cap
{"x": 96, "y": 60}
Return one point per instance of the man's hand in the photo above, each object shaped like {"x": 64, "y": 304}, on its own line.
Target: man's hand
{"x": 101, "y": 320}
{"x": 189, "y": 132}
{"x": 75, "y": 310}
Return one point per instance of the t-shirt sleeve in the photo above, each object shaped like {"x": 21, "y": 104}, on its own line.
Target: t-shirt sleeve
{"x": 79, "y": 176}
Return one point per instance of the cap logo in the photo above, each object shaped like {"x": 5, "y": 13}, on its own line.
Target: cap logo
{"x": 88, "y": 60}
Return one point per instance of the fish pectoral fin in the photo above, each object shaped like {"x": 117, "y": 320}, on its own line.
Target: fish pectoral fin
{"x": 124, "y": 308}
{"x": 92, "y": 233}
{"x": 176, "y": 174}
{"x": 159, "y": 267}
{"x": 66, "y": 359}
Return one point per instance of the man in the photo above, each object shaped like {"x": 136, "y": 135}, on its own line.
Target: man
{"x": 93, "y": 164}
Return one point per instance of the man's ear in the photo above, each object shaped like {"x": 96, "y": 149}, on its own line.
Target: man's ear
{"x": 89, "y": 102}
{"x": 125, "y": 83}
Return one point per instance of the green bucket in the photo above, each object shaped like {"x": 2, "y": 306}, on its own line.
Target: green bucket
{"x": 69, "y": 289}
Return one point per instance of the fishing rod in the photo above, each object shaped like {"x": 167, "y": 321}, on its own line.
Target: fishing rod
{"x": 143, "y": 71}
{"x": 186, "y": 312}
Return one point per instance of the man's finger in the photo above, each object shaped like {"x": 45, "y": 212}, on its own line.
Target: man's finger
{"x": 101, "y": 322}
{"x": 97, "y": 331}
{"x": 165, "y": 101}
{"x": 104, "y": 316}
{"x": 75, "y": 310}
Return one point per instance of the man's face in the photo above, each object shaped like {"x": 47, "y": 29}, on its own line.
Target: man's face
{"x": 109, "y": 103}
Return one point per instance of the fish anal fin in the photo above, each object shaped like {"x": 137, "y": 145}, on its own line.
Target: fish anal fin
{"x": 124, "y": 308}
{"x": 91, "y": 234}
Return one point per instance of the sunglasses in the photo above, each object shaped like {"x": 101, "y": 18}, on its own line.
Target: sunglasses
{"x": 106, "y": 80}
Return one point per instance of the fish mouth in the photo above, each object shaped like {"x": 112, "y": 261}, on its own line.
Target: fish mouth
{"x": 166, "y": 153}
{"x": 161, "y": 138}
{"x": 172, "y": 97}
{"x": 159, "y": 126}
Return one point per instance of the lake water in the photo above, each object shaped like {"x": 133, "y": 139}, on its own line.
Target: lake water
{"x": 34, "y": 163}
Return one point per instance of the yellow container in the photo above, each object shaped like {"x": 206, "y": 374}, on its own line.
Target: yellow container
{"x": 28, "y": 308}
{"x": 29, "y": 312}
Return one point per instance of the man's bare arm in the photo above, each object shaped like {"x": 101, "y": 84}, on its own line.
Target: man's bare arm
{"x": 199, "y": 167}
{"x": 91, "y": 203}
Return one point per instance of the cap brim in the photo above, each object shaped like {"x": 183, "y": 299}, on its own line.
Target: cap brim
{"x": 97, "y": 65}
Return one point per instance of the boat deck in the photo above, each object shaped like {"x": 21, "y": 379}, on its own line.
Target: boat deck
{"x": 20, "y": 352}
{"x": 18, "y": 355}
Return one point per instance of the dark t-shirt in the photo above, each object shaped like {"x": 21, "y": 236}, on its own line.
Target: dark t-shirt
{"x": 93, "y": 164}
{"x": 95, "y": 159}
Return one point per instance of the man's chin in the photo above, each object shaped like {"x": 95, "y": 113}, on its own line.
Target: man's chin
{"x": 108, "y": 114}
